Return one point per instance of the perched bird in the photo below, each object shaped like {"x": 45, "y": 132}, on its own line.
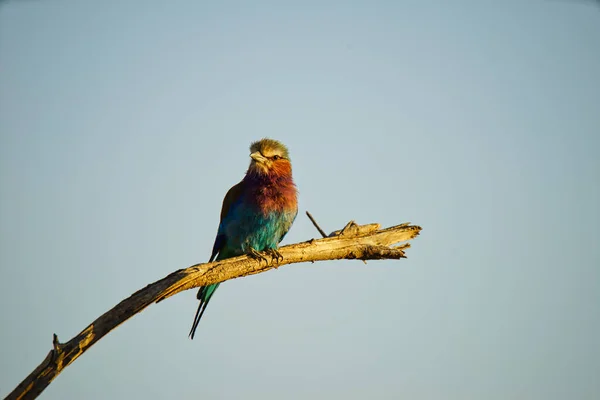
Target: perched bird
{"x": 256, "y": 213}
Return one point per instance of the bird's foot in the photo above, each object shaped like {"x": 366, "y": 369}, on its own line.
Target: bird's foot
{"x": 257, "y": 256}
{"x": 275, "y": 256}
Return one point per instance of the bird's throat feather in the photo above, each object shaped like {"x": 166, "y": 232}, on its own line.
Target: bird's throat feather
{"x": 272, "y": 192}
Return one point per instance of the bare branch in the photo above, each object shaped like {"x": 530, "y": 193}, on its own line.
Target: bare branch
{"x": 321, "y": 231}
{"x": 365, "y": 242}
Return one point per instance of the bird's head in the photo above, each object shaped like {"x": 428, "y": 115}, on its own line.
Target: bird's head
{"x": 269, "y": 157}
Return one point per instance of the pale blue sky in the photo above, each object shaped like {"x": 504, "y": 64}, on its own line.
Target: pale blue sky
{"x": 123, "y": 124}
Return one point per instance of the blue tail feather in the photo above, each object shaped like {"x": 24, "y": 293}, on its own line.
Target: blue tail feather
{"x": 204, "y": 295}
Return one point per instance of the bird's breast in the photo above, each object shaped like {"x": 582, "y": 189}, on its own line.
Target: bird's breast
{"x": 248, "y": 227}
{"x": 275, "y": 199}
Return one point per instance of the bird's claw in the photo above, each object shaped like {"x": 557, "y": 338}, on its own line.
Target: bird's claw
{"x": 257, "y": 256}
{"x": 276, "y": 256}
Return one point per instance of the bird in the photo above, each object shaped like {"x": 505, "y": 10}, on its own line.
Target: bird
{"x": 256, "y": 213}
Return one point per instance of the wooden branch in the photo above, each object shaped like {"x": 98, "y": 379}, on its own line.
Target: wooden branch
{"x": 364, "y": 242}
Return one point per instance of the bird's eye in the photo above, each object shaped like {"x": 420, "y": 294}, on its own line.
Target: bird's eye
{"x": 276, "y": 157}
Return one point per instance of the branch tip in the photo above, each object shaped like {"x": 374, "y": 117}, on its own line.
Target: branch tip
{"x": 55, "y": 342}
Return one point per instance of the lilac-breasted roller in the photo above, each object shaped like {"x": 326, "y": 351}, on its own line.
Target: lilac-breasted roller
{"x": 256, "y": 213}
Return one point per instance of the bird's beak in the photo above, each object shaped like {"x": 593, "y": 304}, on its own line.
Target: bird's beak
{"x": 256, "y": 156}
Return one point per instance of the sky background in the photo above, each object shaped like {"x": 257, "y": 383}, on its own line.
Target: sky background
{"x": 123, "y": 124}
